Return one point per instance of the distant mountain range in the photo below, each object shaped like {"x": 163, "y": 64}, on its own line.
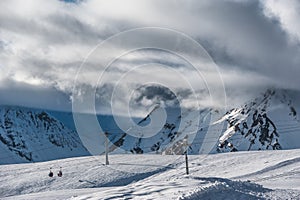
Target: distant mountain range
{"x": 269, "y": 122}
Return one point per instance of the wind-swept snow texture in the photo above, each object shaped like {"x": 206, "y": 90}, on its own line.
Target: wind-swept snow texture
{"x": 238, "y": 175}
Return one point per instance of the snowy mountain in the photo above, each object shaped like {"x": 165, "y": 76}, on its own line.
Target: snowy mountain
{"x": 168, "y": 140}
{"x": 30, "y": 135}
{"x": 270, "y": 121}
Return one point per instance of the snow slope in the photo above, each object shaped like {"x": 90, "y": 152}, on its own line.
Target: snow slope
{"x": 169, "y": 139}
{"x": 270, "y": 121}
{"x": 269, "y": 175}
{"x": 31, "y": 135}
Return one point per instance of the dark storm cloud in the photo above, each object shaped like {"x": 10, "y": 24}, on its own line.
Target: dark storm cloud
{"x": 155, "y": 92}
{"x": 243, "y": 39}
{"x": 159, "y": 94}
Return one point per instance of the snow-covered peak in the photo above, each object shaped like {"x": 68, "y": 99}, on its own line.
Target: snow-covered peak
{"x": 268, "y": 122}
{"x": 29, "y": 135}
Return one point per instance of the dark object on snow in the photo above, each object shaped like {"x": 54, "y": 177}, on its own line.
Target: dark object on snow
{"x": 233, "y": 149}
{"x": 276, "y": 145}
{"x": 50, "y": 173}
{"x": 59, "y": 173}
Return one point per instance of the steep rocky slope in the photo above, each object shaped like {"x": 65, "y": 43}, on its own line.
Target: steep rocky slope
{"x": 29, "y": 135}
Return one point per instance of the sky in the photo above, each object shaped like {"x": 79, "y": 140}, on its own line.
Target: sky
{"x": 49, "y": 55}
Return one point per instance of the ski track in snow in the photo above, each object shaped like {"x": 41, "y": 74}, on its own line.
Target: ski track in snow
{"x": 239, "y": 175}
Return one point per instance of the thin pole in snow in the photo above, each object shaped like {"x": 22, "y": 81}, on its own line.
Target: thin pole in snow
{"x": 106, "y": 149}
{"x": 186, "y": 155}
{"x": 186, "y": 163}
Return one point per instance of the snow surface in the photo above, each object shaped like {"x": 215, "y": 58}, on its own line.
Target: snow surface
{"x": 238, "y": 175}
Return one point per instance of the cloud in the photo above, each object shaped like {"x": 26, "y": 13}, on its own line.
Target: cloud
{"x": 155, "y": 94}
{"x": 43, "y": 44}
{"x": 287, "y": 13}
{"x": 26, "y": 95}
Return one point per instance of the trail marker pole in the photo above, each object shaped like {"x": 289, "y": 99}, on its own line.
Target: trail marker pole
{"x": 106, "y": 149}
{"x": 186, "y": 155}
{"x": 186, "y": 163}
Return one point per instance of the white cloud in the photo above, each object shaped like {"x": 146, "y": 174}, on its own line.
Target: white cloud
{"x": 287, "y": 13}
{"x": 43, "y": 43}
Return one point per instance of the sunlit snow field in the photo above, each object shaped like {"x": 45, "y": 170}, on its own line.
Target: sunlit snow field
{"x": 239, "y": 175}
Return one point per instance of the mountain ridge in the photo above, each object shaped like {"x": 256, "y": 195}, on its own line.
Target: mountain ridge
{"x": 268, "y": 122}
{"x": 34, "y": 135}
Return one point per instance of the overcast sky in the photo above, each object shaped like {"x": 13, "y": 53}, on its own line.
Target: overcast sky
{"x": 255, "y": 44}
